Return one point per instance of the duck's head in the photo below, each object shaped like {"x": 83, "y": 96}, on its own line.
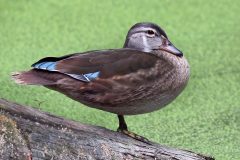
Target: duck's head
{"x": 148, "y": 37}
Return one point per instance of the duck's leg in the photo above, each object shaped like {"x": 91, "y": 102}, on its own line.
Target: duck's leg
{"x": 122, "y": 123}
{"x": 123, "y": 129}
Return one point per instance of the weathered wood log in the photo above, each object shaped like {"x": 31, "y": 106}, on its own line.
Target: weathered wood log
{"x": 30, "y": 134}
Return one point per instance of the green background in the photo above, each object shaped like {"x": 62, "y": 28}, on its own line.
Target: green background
{"x": 204, "y": 118}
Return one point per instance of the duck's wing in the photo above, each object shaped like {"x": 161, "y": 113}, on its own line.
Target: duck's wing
{"x": 98, "y": 64}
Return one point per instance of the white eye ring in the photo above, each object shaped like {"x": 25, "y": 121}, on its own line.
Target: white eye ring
{"x": 150, "y": 33}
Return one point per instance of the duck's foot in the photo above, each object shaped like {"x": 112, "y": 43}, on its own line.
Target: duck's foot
{"x": 123, "y": 129}
{"x": 134, "y": 136}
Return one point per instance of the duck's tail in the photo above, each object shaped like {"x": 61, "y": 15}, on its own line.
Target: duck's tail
{"x": 33, "y": 77}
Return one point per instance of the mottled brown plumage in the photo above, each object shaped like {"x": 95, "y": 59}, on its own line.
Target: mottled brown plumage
{"x": 139, "y": 92}
{"x": 145, "y": 75}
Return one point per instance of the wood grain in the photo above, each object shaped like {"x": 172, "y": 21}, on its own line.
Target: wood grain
{"x": 30, "y": 134}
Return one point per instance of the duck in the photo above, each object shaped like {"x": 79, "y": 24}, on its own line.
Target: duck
{"x": 147, "y": 74}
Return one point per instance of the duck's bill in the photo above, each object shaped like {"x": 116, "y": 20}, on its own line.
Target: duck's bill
{"x": 169, "y": 47}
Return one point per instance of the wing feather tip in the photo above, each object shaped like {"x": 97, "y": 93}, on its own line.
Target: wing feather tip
{"x": 17, "y": 78}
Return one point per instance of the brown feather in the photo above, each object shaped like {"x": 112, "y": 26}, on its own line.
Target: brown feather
{"x": 37, "y": 77}
{"x": 108, "y": 62}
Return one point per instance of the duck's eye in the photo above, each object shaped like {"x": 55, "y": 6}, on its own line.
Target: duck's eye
{"x": 150, "y": 32}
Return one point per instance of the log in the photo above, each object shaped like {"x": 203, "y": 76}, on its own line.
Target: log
{"x": 30, "y": 134}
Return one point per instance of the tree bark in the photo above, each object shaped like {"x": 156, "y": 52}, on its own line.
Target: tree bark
{"x": 30, "y": 134}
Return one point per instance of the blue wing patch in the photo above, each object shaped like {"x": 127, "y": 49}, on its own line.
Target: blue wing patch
{"x": 92, "y": 76}
{"x": 85, "y": 77}
{"x": 51, "y": 66}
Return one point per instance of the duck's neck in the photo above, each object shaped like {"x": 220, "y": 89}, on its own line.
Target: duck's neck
{"x": 180, "y": 67}
{"x": 171, "y": 59}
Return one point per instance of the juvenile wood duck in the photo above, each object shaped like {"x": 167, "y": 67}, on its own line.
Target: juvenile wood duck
{"x": 145, "y": 75}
